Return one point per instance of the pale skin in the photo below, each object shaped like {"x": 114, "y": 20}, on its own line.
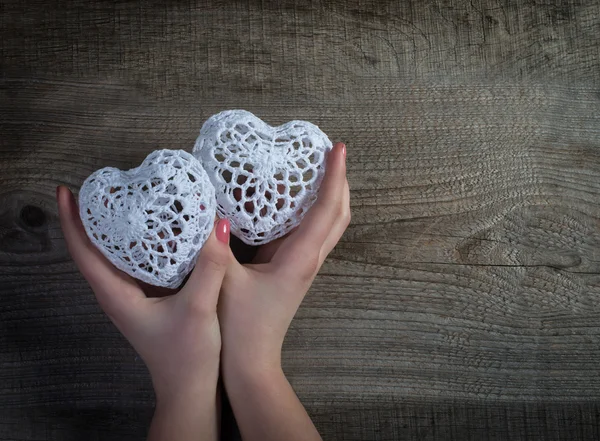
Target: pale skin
{"x": 228, "y": 317}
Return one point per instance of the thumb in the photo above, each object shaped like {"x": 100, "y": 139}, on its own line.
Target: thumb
{"x": 205, "y": 280}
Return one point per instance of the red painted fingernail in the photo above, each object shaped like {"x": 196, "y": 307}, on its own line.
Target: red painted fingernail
{"x": 223, "y": 230}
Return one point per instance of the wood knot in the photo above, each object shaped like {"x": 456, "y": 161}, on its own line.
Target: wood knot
{"x": 32, "y": 217}
{"x": 24, "y": 222}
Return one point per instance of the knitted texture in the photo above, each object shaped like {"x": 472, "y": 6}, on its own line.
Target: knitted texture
{"x": 150, "y": 221}
{"x": 266, "y": 178}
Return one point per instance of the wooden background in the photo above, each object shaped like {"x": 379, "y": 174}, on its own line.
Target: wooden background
{"x": 462, "y": 303}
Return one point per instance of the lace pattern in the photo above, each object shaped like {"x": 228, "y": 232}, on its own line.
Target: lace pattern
{"x": 150, "y": 221}
{"x": 265, "y": 178}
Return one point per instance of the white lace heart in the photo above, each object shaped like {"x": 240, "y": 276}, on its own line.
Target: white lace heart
{"x": 150, "y": 221}
{"x": 266, "y": 178}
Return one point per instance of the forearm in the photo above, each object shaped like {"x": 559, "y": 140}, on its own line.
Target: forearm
{"x": 193, "y": 414}
{"x": 266, "y": 407}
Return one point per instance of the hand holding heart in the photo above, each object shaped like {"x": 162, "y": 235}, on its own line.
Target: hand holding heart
{"x": 152, "y": 221}
{"x": 160, "y": 216}
{"x": 175, "y": 332}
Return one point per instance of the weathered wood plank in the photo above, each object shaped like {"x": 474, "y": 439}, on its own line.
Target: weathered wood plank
{"x": 300, "y": 51}
{"x": 457, "y": 421}
{"x": 469, "y": 273}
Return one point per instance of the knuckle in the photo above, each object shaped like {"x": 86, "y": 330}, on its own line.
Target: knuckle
{"x": 212, "y": 264}
{"x": 301, "y": 269}
{"x": 199, "y": 307}
{"x": 309, "y": 267}
{"x": 346, "y": 216}
{"x": 214, "y": 261}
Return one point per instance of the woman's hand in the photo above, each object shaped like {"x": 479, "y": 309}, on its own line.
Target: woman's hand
{"x": 258, "y": 302}
{"x": 177, "y": 336}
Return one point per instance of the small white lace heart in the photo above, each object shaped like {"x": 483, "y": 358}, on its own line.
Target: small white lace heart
{"x": 266, "y": 178}
{"x": 150, "y": 221}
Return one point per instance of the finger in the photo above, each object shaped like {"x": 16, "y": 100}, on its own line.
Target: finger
{"x": 318, "y": 222}
{"x": 203, "y": 286}
{"x": 116, "y": 292}
{"x": 321, "y": 217}
{"x": 341, "y": 223}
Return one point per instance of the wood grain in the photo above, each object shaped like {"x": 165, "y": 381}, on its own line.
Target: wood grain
{"x": 462, "y": 303}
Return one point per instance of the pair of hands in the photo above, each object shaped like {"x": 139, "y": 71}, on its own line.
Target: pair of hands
{"x": 227, "y": 314}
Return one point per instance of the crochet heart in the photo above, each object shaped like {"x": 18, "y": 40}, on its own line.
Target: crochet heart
{"x": 150, "y": 221}
{"x": 266, "y": 178}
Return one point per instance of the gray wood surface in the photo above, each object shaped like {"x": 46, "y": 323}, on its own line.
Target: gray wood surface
{"x": 461, "y": 304}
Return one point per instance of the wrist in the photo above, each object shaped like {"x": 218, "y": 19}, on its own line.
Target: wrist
{"x": 254, "y": 370}
{"x": 173, "y": 389}
{"x": 183, "y": 413}
{"x": 251, "y": 364}
{"x": 254, "y": 378}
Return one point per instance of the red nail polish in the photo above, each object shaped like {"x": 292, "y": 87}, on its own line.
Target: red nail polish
{"x": 223, "y": 230}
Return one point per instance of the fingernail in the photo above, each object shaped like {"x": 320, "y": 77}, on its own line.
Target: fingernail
{"x": 223, "y": 230}
{"x": 57, "y": 191}
{"x": 344, "y": 150}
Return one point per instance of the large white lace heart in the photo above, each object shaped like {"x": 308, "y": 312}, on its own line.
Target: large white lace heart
{"x": 266, "y": 178}
{"x": 150, "y": 221}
